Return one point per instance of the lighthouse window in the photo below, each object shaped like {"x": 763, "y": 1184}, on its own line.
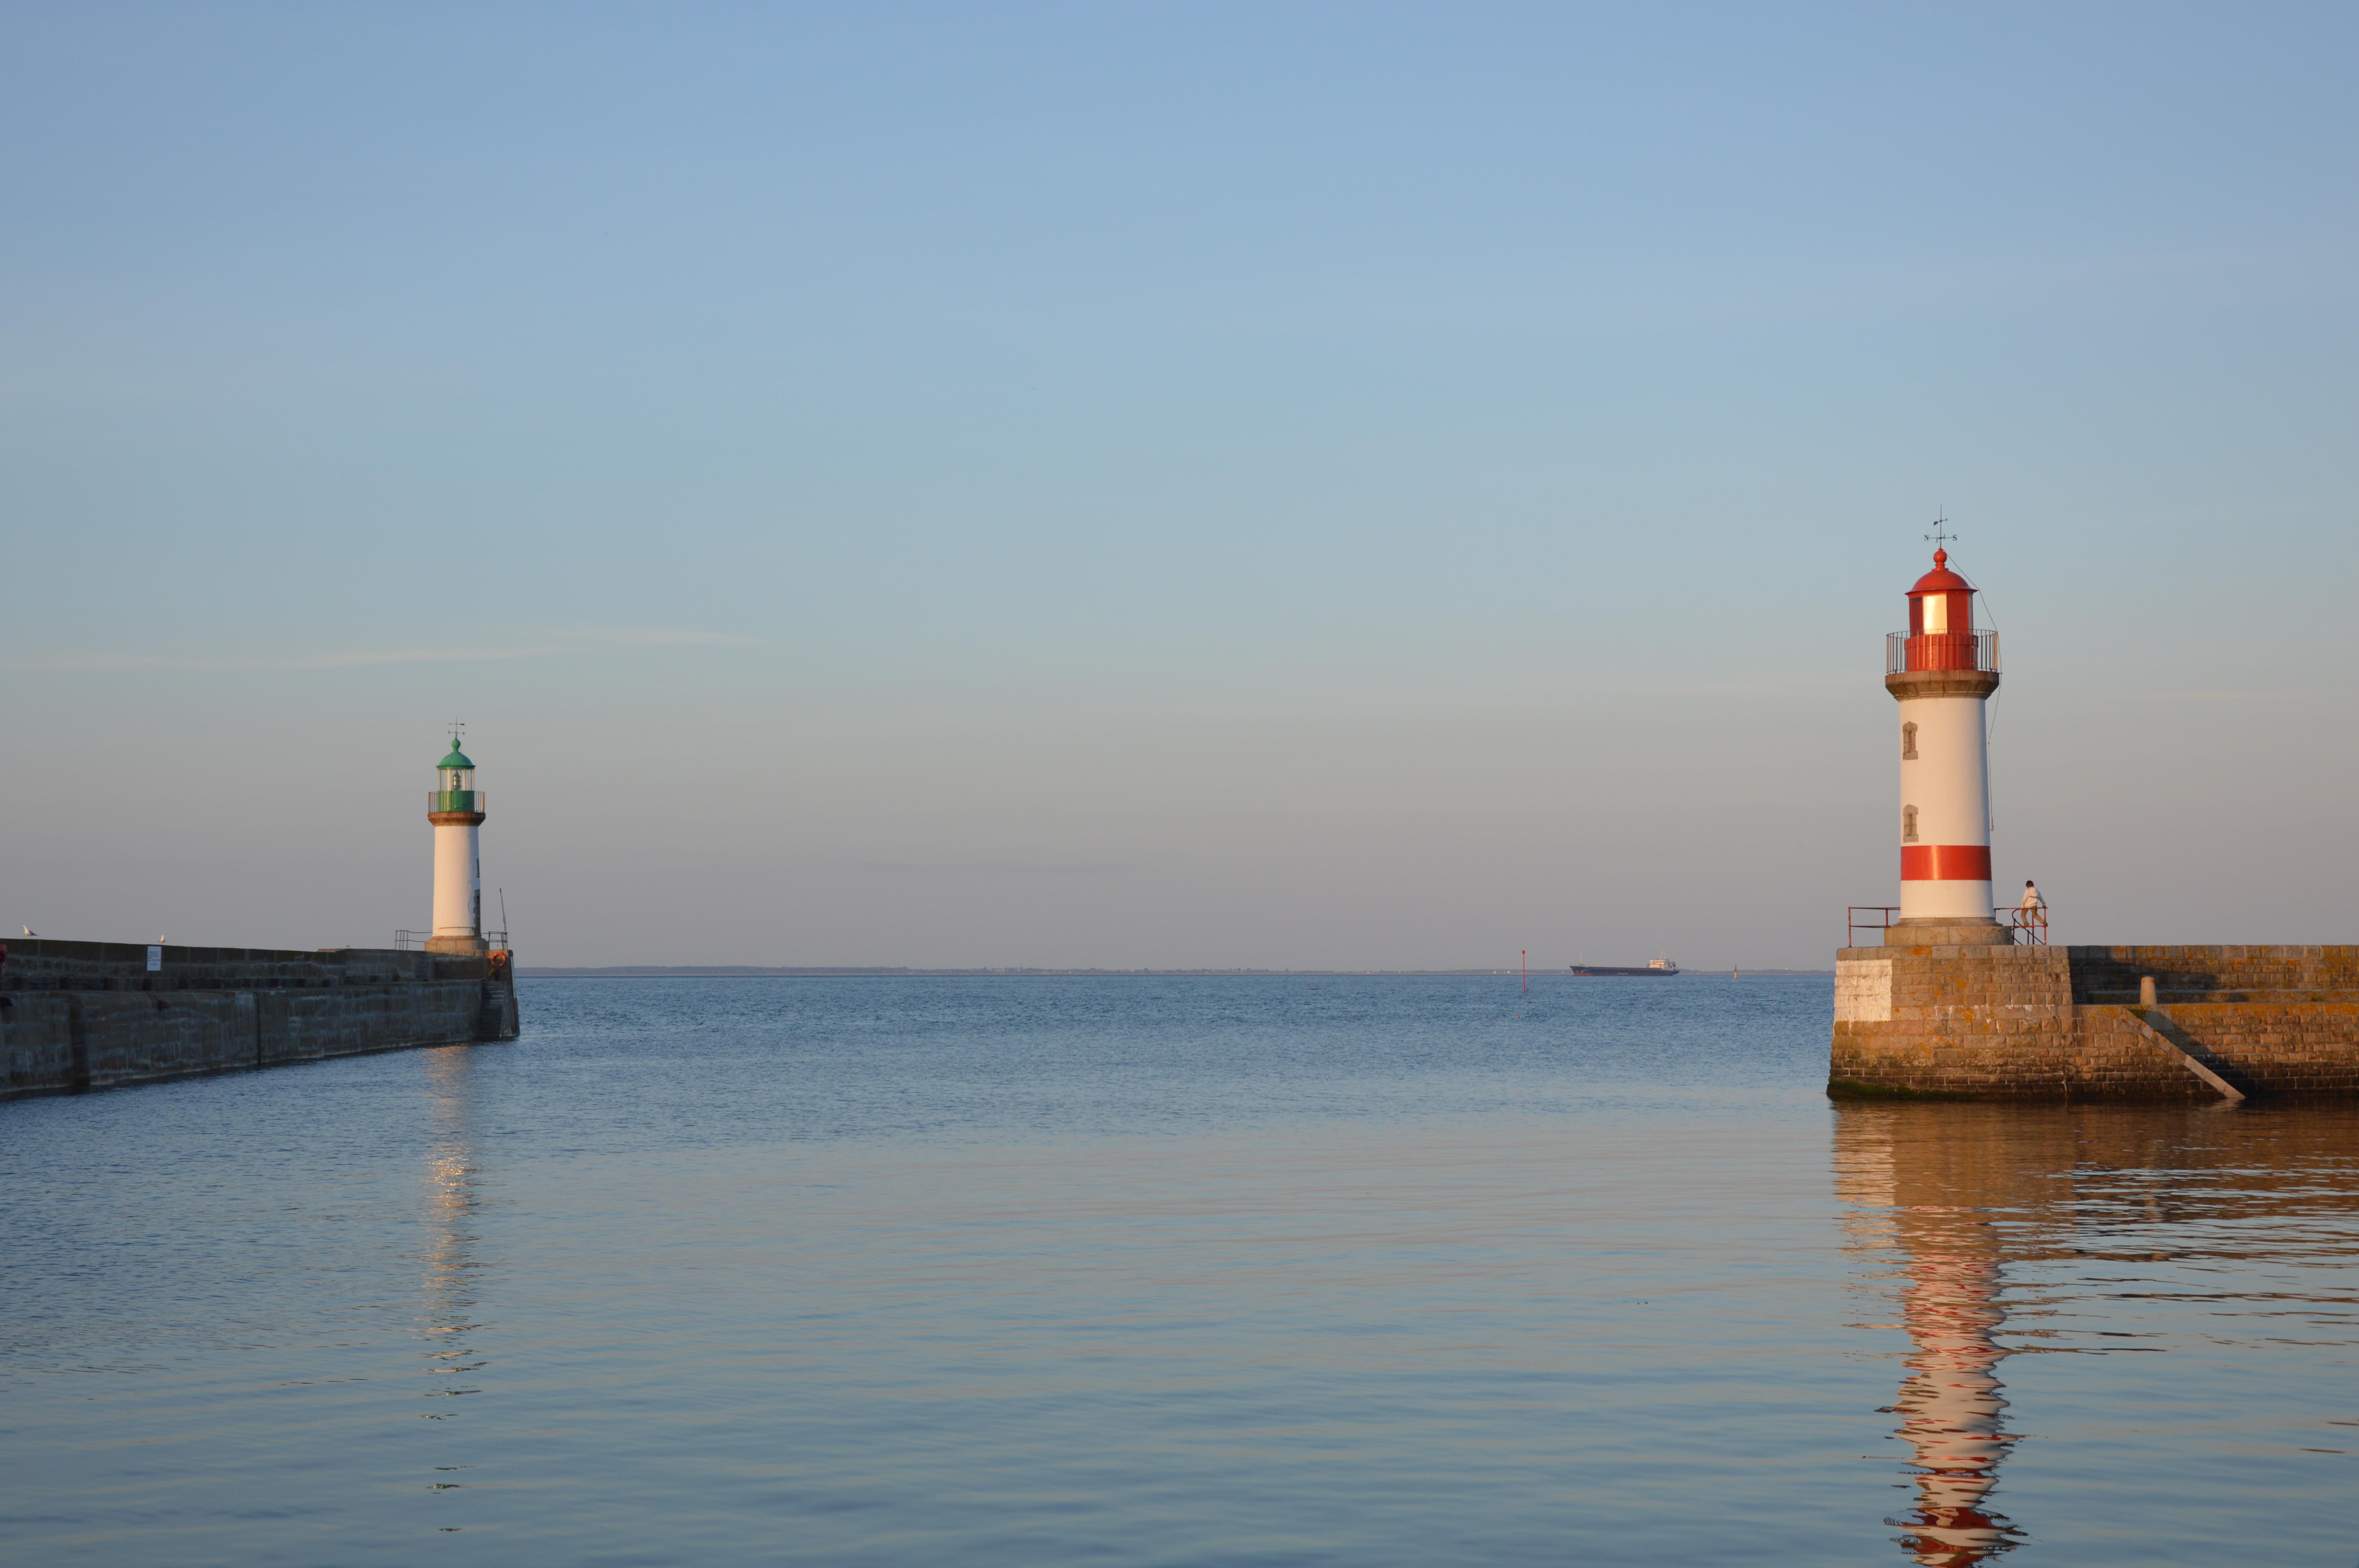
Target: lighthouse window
{"x": 1908, "y": 742}
{"x": 1908, "y": 824}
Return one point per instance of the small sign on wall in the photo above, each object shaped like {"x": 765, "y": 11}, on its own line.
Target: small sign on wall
{"x": 154, "y": 959}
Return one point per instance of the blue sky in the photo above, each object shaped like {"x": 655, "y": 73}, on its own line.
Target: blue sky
{"x": 1307, "y": 485}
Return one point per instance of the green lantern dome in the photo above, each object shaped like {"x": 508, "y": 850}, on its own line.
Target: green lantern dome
{"x": 457, "y": 759}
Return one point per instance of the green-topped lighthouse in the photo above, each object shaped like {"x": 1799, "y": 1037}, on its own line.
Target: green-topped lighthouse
{"x": 455, "y": 806}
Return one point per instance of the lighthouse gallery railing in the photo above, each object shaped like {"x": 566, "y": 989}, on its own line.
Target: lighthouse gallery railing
{"x": 1904, "y": 652}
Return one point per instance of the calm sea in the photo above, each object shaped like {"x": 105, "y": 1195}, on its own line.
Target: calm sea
{"x": 1052, "y": 1271}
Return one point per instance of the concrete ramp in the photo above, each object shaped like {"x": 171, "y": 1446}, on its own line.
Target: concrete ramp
{"x": 2155, "y": 1026}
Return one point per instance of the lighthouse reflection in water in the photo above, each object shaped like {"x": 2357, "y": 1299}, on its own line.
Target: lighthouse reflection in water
{"x": 1937, "y": 1202}
{"x": 446, "y": 1317}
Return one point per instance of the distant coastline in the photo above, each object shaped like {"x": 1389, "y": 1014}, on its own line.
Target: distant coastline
{"x": 754, "y": 972}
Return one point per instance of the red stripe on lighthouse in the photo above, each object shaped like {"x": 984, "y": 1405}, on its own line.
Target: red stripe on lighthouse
{"x": 1945, "y": 863}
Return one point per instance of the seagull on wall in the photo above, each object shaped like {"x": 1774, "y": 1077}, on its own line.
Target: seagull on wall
{"x": 30, "y": 932}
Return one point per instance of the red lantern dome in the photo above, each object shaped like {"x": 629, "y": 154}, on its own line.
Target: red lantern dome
{"x": 1941, "y": 579}
{"x": 1941, "y": 620}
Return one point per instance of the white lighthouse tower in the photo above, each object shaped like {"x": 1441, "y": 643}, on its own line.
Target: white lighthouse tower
{"x": 1942, "y": 671}
{"x": 455, "y": 806}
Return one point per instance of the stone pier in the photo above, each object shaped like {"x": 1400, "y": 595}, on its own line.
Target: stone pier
{"x": 2072, "y": 1024}
{"x": 90, "y": 1015}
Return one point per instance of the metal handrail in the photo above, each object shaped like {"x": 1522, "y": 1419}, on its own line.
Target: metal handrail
{"x": 414, "y": 941}
{"x": 1856, "y": 925}
{"x": 2027, "y": 926}
{"x": 1906, "y": 651}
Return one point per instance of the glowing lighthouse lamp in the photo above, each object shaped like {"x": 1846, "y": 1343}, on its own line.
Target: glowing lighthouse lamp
{"x": 455, "y": 806}
{"x": 1941, "y": 671}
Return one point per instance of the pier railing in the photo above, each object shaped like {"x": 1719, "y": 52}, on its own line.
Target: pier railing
{"x": 1862, "y": 917}
{"x": 414, "y": 941}
{"x": 1904, "y": 652}
{"x": 2028, "y": 926}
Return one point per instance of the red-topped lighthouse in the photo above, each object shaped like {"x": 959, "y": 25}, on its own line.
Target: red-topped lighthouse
{"x": 1941, "y": 671}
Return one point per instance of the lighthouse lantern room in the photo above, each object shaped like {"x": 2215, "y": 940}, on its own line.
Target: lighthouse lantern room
{"x": 455, "y": 807}
{"x": 1941, "y": 671}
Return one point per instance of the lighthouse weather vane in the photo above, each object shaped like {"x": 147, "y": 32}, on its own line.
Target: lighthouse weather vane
{"x": 1940, "y": 536}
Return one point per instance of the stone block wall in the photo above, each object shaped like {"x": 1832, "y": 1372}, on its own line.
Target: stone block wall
{"x": 2061, "y": 1023}
{"x": 2298, "y": 1048}
{"x": 2216, "y": 974}
{"x": 127, "y": 1038}
{"x": 85, "y": 1015}
{"x": 303, "y": 1026}
{"x": 41, "y": 963}
{"x": 36, "y": 1045}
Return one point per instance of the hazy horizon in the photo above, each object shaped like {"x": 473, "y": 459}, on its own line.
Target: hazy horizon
{"x": 1305, "y": 487}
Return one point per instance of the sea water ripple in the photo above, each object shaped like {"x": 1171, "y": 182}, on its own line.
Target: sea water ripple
{"x": 1355, "y": 1270}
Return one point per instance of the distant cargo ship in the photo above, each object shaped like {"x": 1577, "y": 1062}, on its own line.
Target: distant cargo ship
{"x": 1653, "y": 967}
